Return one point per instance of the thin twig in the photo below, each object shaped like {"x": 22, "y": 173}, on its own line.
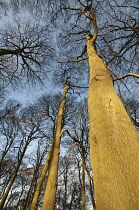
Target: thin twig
{"x": 68, "y": 61}
{"x": 79, "y": 87}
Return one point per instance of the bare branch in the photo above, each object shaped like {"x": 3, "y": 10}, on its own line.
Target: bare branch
{"x": 92, "y": 17}
{"x": 63, "y": 132}
{"x": 12, "y": 52}
{"x": 126, "y": 75}
{"x": 79, "y": 87}
{"x": 73, "y": 137}
{"x": 93, "y": 38}
{"x": 68, "y": 61}
{"x": 79, "y": 9}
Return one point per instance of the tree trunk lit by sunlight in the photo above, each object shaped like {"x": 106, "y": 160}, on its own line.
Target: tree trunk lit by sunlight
{"x": 51, "y": 185}
{"x": 40, "y": 182}
{"x": 114, "y": 141}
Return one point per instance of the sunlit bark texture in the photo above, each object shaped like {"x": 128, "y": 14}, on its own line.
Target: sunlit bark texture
{"x": 114, "y": 142}
{"x": 50, "y": 191}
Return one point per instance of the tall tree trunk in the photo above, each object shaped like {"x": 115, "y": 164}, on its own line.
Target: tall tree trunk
{"x": 40, "y": 182}
{"x": 114, "y": 142}
{"x": 50, "y": 191}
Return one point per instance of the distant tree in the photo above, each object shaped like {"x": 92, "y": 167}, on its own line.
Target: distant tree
{"x": 41, "y": 180}
{"x": 27, "y": 131}
{"x": 80, "y": 137}
{"x": 69, "y": 188}
{"x": 33, "y": 188}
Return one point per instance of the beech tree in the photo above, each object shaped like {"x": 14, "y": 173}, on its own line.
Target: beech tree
{"x": 110, "y": 126}
{"x": 113, "y": 138}
{"x": 50, "y": 191}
